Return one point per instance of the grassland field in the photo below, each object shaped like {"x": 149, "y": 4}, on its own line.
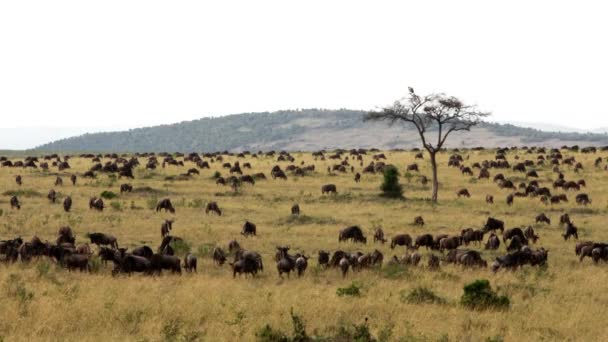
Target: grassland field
{"x": 567, "y": 300}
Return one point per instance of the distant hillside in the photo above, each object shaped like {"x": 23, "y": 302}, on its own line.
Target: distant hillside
{"x": 309, "y": 129}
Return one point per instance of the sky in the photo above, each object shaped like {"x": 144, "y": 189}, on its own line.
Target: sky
{"x": 77, "y": 66}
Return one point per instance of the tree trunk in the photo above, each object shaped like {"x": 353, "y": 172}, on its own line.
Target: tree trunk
{"x": 435, "y": 182}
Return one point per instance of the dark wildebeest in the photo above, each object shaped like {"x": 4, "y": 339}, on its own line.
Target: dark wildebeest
{"x": 564, "y": 219}
{"x": 161, "y": 262}
{"x": 412, "y": 167}
{"x": 52, "y": 195}
{"x": 213, "y": 207}
{"x": 143, "y": 251}
{"x": 67, "y": 204}
{"x": 219, "y": 257}
{"x": 489, "y": 199}
{"x": 165, "y": 228}
{"x": 165, "y": 204}
{"x": 401, "y": 240}
{"x": 425, "y": 240}
{"x": 65, "y": 235}
{"x": 233, "y": 246}
{"x": 433, "y": 262}
{"x": 295, "y": 209}
{"x": 418, "y": 221}
{"x": 542, "y": 218}
{"x": 58, "y": 181}
{"x": 132, "y": 263}
{"x": 73, "y": 179}
{"x": 493, "y": 242}
{"x": 102, "y": 239}
{"x": 329, "y": 188}
{"x": 15, "y": 203}
{"x": 96, "y": 203}
{"x": 249, "y": 229}
{"x": 286, "y": 263}
{"x": 19, "y": 180}
{"x": 353, "y": 233}
{"x": 511, "y": 233}
{"x": 357, "y": 177}
{"x": 484, "y": 173}
{"x": 571, "y": 230}
{"x": 76, "y": 261}
{"x": 530, "y": 234}
{"x": 126, "y": 188}
{"x": 379, "y": 235}
{"x": 516, "y": 243}
{"x": 190, "y": 263}
{"x": 450, "y": 242}
{"x": 582, "y": 199}
{"x": 510, "y": 198}
{"x": 247, "y": 262}
{"x": 344, "y": 264}
{"x": 323, "y": 258}
{"x": 471, "y": 235}
{"x": 463, "y": 192}
{"x": 494, "y": 224}
{"x": 247, "y": 179}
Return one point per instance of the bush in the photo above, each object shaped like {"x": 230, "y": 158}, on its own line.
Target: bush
{"x": 354, "y": 290}
{"x": 479, "y": 295}
{"x": 390, "y": 186}
{"x": 116, "y": 205}
{"x": 108, "y": 195}
{"x": 421, "y": 295}
{"x": 180, "y": 247}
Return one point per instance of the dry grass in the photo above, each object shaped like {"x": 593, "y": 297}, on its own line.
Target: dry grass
{"x": 42, "y": 302}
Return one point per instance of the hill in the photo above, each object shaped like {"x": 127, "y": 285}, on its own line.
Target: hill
{"x": 307, "y": 129}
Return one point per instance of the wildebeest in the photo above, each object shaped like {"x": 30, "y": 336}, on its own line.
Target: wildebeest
{"x": 100, "y": 239}
{"x": 161, "y": 262}
{"x": 323, "y": 258}
{"x": 295, "y": 209}
{"x": 15, "y": 203}
{"x": 344, "y": 264}
{"x": 76, "y": 261}
{"x": 165, "y": 228}
{"x": 401, "y": 240}
{"x": 73, "y": 179}
{"x": 379, "y": 235}
{"x": 213, "y": 207}
{"x": 65, "y": 235}
{"x": 571, "y": 230}
{"x": 353, "y": 233}
{"x": 582, "y": 199}
{"x": 165, "y": 204}
{"x": 418, "y": 221}
{"x": 510, "y": 199}
{"x": 58, "y": 181}
{"x": 470, "y": 235}
{"x": 493, "y": 242}
{"x": 564, "y": 219}
{"x": 190, "y": 263}
{"x": 542, "y": 218}
{"x": 247, "y": 262}
{"x": 425, "y": 240}
{"x": 249, "y": 228}
{"x": 328, "y": 188}
{"x": 96, "y": 203}
{"x": 143, "y": 251}
{"x": 357, "y": 177}
{"x": 530, "y": 234}
{"x": 19, "y": 180}
{"x": 52, "y": 195}
{"x": 489, "y": 199}
{"x": 494, "y": 224}
{"x": 301, "y": 265}
{"x": 450, "y": 242}
{"x": 219, "y": 256}
{"x": 126, "y": 188}
{"x": 67, "y": 204}
{"x": 286, "y": 263}
{"x": 463, "y": 192}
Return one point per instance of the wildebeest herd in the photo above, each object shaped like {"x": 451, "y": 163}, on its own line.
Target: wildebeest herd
{"x": 519, "y": 174}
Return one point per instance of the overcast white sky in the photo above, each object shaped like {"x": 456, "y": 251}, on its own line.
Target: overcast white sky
{"x": 120, "y": 64}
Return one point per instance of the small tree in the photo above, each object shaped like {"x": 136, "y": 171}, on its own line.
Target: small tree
{"x": 436, "y": 113}
{"x": 390, "y": 186}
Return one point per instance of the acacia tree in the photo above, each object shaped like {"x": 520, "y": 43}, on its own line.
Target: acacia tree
{"x": 434, "y": 116}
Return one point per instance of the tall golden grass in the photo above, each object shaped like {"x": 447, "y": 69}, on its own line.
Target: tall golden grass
{"x": 40, "y": 301}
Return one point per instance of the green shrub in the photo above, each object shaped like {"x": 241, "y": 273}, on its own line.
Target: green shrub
{"x": 181, "y": 247}
{"x": 108, "y": 195}
{"x": 390, "y": 186}
{"x": 479, "y": 295}
{"x": 116, "y": 205}
{"x": 421, "y": 295}
{"x": 354, "y": 290}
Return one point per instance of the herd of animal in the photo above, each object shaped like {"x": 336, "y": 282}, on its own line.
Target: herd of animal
{"x": 519, "y": 242}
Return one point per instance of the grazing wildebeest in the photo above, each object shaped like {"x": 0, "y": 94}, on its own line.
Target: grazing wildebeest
{"x": 412, "y": 167}
{"x": 379, "y": 235}
{"x": 213, "y": 207}
{"x": 484, "y": 173}
{"x": 323, "y": 258}
{"x": 19, "y": 180}
{"x": 564, "y": 219}
{"x": 15, "y": 203}
{"x": 58, "y": 181}
{"x": 100, "y": 239}
{"x": 510, "y": 199}
{"x": 418, "y": 221}
{"x": 165, "y": 204}
{"x": 582, "y": 199}
{"x": 190, "y": 262}
{"x": 233, "y": 246}
{"x": 494, "y": 224}
{"x": 450, "y": 242}
{"x": 489, "y": 199}
{"x": 96, "y": 203}
{"x": 471, "y": 259}
{"x": 247, "y": 179}
{"x": 425, "y": 240}
{"x": 247, "y": 262}
{"x": 295, "y": 209}
{"x": 571, "y": 230}
{"x": 219, "y": 256}
{"x": 329, "y": 188}
{"x": 470, "y": 235}
{"x": 67, "y": 204}
{"x": 126, "y": 188}
{"x": 73, "y": 179}
{"x": 511, "y": 233}
{"x": 353, "y": 233}
{"x": 542, "y": 218}
{"x": 493, "y": 242}
{"x": 165, "y": 228}
{"x": 530, "y": 234}
{"x": 76, "y": 261}
{"x": 433, "y": 262}
{"x": 249, "y": 228}
{"x": 463, "y": 192}
{"x": 52, "y": 195}
{"x": 401, "y": 240}
{"x": 143, "y": 251}
{"x": 357, "y": 177}
{"x": 65, "y": 235}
